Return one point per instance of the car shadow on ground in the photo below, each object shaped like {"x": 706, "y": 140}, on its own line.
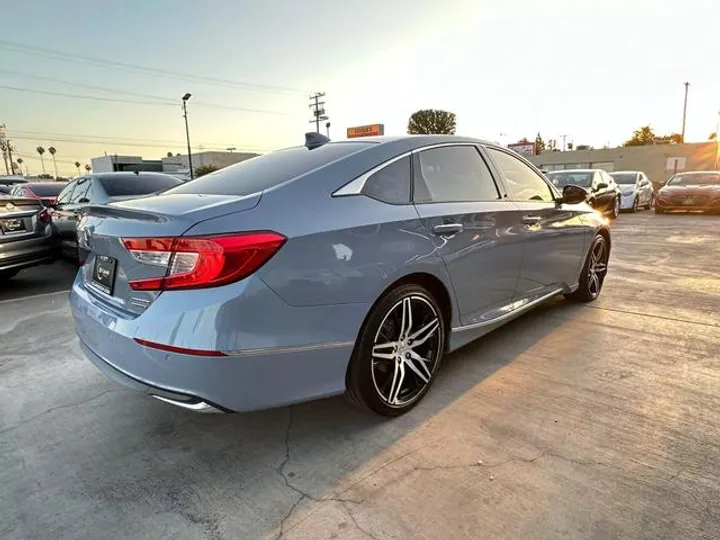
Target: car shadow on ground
{"x": 146, "y": 457}
{"x": 41, "y": 279}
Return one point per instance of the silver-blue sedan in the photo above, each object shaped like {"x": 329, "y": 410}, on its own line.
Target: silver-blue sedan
{"x": 328, "y": 268}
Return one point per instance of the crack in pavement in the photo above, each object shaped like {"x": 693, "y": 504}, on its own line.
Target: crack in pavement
{"x": 355, "y": 521}
{"x": 25, "y": 421}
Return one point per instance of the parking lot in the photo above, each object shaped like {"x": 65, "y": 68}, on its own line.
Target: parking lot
{"x": 598, "y": 421}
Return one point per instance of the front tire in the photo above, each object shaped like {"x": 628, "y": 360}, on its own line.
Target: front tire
{"x": 398, "y": 352}
{"x": 615, "y": 212}
{"x": 593, "y": 272}
{"x": 635, "y": 205}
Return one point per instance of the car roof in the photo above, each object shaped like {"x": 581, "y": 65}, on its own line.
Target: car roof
{"x": 697, "y": 172}
{"x": 625, "y": 172}
{"x": 576, "y": 170}
{"x": 33, "y": 184}
{"x": 128, "y": 174}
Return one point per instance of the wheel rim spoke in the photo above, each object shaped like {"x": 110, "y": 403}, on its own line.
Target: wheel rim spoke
{"x": 406, "y": 323}
{"x": 425, "y": 333}
{"x": 396, "y": 386}
{"x": 419, "y": 365}
{"x": 594, "y": 283}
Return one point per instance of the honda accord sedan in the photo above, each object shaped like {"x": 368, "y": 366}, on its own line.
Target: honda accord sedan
{"x": 329, "y": 268}
{"x": 690, "y": 192}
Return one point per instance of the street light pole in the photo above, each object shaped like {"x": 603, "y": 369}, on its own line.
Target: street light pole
{"x": 187, "y": 133}
{"x": 687, "y": 86}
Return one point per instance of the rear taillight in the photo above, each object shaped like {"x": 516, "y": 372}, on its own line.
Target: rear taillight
{"x": 194, "y": 262}
{"x": 44, "y": 216}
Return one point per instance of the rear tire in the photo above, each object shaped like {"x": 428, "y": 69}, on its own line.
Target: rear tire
{"x": 398, "y": 352}
{"x": 615, "y": 212}
{"x": 659, "y": 210}
{"x": 593, "y": 272}
{"x": 7, "y": 275}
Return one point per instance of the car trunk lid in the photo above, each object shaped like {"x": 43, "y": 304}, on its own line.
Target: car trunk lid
{"x": 109, "y": 266}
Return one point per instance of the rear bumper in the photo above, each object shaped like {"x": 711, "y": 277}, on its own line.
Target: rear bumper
{"x": 25, "y": 253}
{"x": 298, "y": 355}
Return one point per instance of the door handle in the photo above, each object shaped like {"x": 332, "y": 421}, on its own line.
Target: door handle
{"x": 531, "y": 220}
{"x": 448, "y": 229}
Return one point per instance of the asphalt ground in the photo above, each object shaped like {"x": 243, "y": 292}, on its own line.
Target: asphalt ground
{"x": 598, "y": 422}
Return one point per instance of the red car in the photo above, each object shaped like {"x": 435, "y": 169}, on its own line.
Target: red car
{"x": 690, "y": 192}
{"x": 46, "y": 192}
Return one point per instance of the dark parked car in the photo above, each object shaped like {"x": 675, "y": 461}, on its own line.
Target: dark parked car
{"x": 690, "y": 192}
{"x": 98, "y": 189}
{"x": 333, "y": 267}
{"x": 46, "y": 192}
{"x": 26, "y": 235}
{"x": 603, "y": 192}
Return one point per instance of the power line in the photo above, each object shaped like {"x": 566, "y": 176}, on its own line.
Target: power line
{"x": 39, "y": 51}
{"x": 116, "y": 143}
{"x": 166, "y": 102}
{"x": 48, "y": 135}
{"x": 318, "y": 109}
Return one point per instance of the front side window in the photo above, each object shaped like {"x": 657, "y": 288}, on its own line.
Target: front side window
{"x": 391, "y": 184}
{"x": 453, "y": 174}
{"x": 524, "y": 183}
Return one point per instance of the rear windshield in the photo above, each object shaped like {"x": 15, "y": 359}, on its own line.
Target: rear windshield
{"x": 709, "y": 179}
{"x": 562, "y": 179}
{"x": 47, "y": 190}
{"x": 263, "y": 172}
{"x": 625, "y": 178}
{"x": 137, "y": 184}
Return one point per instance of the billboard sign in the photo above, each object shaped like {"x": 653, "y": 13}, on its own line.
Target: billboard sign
{"x": 371, "y": 130}
{"x": 524, "y": 149}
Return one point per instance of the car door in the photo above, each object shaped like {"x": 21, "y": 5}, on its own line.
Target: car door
{"x": 472, "y": 224}
{"x": 600, "y": 195}
{"x": 69, "y": 212}
{"x": 553, "y": 234}
{"x": 645, "y": 189}
{"x": 59, "y": 212}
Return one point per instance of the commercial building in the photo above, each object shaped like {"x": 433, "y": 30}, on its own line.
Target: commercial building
{"x": 177, "y": 165}
{"x": 658, "y": 161}
{"x": 180, "y": 165}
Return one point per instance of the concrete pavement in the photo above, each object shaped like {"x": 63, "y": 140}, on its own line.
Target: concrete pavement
{"x": 598, "y": 422}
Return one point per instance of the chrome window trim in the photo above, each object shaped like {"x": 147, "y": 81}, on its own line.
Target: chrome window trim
{"x": 355, "y": 187}
{"x": 443, "y": 145}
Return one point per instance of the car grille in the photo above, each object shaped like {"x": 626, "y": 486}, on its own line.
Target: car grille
{"x": 693, "y": 200}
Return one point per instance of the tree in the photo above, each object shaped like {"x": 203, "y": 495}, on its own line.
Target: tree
{"x": 645, "y": 136}
{"x": 205, "y": 169}
{"x": 713, "y": 136}
{"x": 77, "y": 166}
{"x": 52, "y": 151}
{"x": 20, "y": 161}
{"x": 539, "y": 144}
{"x": 169, "y": 154}
{"x": 432, "y": 121}
{"x": 88, "y": 168}
{"x": 45, "y": 176}
{"x": 41, "y": 151}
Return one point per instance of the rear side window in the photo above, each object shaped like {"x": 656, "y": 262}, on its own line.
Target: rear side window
{"x": 137, "y": 184}
{"x": 453, "y": 174}
{"x": 390, "y": 184}
{"x": 263, "y": 172}
{"x": 81, "y": 192}
{"x": 64, "y": 195}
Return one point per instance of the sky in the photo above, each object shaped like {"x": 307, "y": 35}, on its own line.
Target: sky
{"x": 590, "y": 70}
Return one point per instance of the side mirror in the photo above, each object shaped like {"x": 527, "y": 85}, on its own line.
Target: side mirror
{"x": 574, "y": 194}
{"x": 83, "y": 201}
{"x": 601, "y": 185}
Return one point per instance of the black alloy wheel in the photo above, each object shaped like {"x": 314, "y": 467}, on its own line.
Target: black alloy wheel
{"x": 594, "y": 271}
{"x": 398, "y": 353}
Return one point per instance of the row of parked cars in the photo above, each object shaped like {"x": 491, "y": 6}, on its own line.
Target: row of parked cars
{"x": 611, "y": 193}
{"x": 38, "y": 220}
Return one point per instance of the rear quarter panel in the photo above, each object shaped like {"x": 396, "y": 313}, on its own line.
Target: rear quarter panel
{"x": 340, "y": 250}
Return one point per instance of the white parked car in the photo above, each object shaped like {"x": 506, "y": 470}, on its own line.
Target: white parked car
{"x": 635, "y": 189}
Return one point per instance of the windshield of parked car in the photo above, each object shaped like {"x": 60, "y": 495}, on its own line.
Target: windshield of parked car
{"x": 708, "y": 179}
{"x": 137, "y": 184}
{"x": 262, "y": 172}
{"x": 624, "y": 178}
{"x": 562, "y": 179}
{"x": 49, "y": 189}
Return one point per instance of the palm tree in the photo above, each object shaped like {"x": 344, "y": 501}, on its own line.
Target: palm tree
{"x": 88, "y": 168}
{"x": 52, "y": 151}
{"x": 41, "y": 151}
{"x": 20, "y": 161}
{"x": 77, "y": 166}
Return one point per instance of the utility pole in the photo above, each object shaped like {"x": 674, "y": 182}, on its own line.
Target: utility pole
{"x": 318, "y": 110}
{"x": 564, "y": 138}
{"x": 187, "y": 133}
{"x": 9, "y": 151}
{"x": 682, "y": 135}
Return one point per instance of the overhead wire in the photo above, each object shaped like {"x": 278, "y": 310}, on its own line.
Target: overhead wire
{"x": 158, "y": 72}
